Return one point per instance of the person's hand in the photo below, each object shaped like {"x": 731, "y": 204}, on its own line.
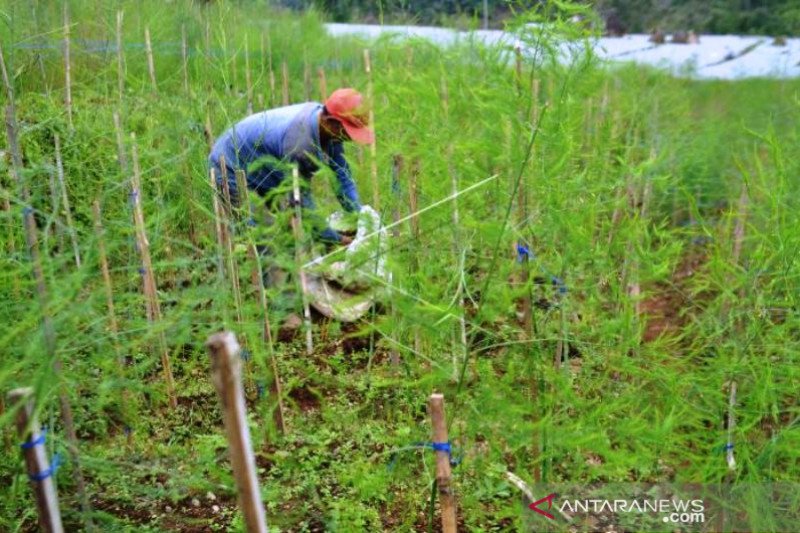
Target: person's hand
{"x": 345, "y": 240}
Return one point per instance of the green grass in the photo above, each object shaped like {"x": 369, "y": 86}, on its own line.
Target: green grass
{"x": 625, "y": 406}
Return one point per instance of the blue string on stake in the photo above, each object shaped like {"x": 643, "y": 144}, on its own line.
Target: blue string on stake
{"x": 435, "y": 446}
{"x": 523, "y": 253}
{"x": 27, "y": 210}
{"x": 261, "y": 388}
{"x": 142, "y": 271}
{"x": 245, "y": 355}
{"x": 728, "y": 447}
{"x": 36, "y": 442}
{"x": 55, "y": 462}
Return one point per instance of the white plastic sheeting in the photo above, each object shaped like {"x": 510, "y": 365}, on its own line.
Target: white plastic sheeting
{"x": 713, "y": 57}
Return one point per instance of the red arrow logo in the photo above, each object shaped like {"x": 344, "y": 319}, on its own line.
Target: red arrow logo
{"x": 549, "y": 500}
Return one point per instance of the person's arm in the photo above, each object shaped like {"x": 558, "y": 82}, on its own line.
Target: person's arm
{"x": 346, "y": 192}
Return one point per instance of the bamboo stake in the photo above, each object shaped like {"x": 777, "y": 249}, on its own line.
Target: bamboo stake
{"x": 297, "y": 227}
{"x": 247, "y": 79}
{"x": 306, "y": 77}
{"x": 372, "y": 147}
{"x": 443, "y": 476}
{"x": 65, "y": 198}
{"x": 285, "y": 83}
{"x": 47, "y": 323}
{"x": 120, "y": 58}
{"x": 40, "y": 470}
{"x": 185, "y": 60}
{"x": 148, "y": 276}
{"x": 271, "y": 72}
{"x": 6, "y": 81}
{"x": 233, "y": 267}
{"x": 67, "y": 78}
{"x": 730, "y": 458}
{"x": 148, "y": 49}
{"x": 103, "y": 258}
{"x": 323, "y": 84}
{"x": 226, "y": 375}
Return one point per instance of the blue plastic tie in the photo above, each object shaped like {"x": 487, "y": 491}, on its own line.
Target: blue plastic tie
{"x": 142, "y": 271}
{"x": 523, "y": 253}
{"x": 55, "y": 462}
{"x": 245, "y": 355}
{"x": 728, "y": 447}
{"x": 36, "y": 442}
{"x": 558, "y": 282}
{"x": 133, "y": 196}
{"x": 440, "y": 447}
{"x": 27, "y": 210}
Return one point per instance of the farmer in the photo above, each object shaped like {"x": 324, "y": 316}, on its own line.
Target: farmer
{"x": 266, "y": 144}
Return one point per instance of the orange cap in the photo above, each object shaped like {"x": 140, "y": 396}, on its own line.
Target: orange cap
{"x": 344, "y": 105}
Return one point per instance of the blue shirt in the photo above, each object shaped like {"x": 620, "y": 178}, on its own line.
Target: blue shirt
{"x": 266, "y": 144}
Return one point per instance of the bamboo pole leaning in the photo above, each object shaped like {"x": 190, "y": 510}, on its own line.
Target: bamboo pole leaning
{"x": 40, "y": 469}
{"x": 185, "y": 60}
{"x": 441, "y": 445}
{"x": 32, "y": 242}
{"x": 226, "y": 375}
{"x": 148, "y": 276}
{"x": 285, "y": 83}
{"x": 248, "y": 80}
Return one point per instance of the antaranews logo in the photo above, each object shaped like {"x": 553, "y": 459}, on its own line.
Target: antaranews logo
{"x": 676, "y": 511}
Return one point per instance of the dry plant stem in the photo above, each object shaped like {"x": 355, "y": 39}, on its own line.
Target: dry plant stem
{"x": 55, "y": 205}
{"x": 65, "y": 198}
{"x": 247, "y": 78}
{"x": 226, "y": 375}
{"x": 47, "y": 323}
{"x": 185, "y": 60}
{"x": 443, "y": 475}
{"x": 120, "y": 59}
{"x": 297, "y": 227}
{"x": 285, "y": 83}
{"x": 373, "y": 161}
{"x": 151, "y": 69}
{"x": 36, "y": 461}
{"x": 271, "y": 72}
{"x": 67, "y": 69}
{"x": 323, "y": 84}
{"x": 148, "y": 276}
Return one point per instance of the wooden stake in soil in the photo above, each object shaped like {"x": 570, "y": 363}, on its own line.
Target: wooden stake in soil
{"x": 226, "y": 374}
{"x": 65, "y": 198}
{"x": 148, "y": 276}
{"x": 373, "y": 162}
{"x": 447, "y": 499}
{"x": 67, "y": 78}
{"x": 120, "y": 59}
{"x": 40, "y": 470}
{"x": 397, "y": 172}
{"x": 297, "y": 227}
{"x": 148, "y": 48}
